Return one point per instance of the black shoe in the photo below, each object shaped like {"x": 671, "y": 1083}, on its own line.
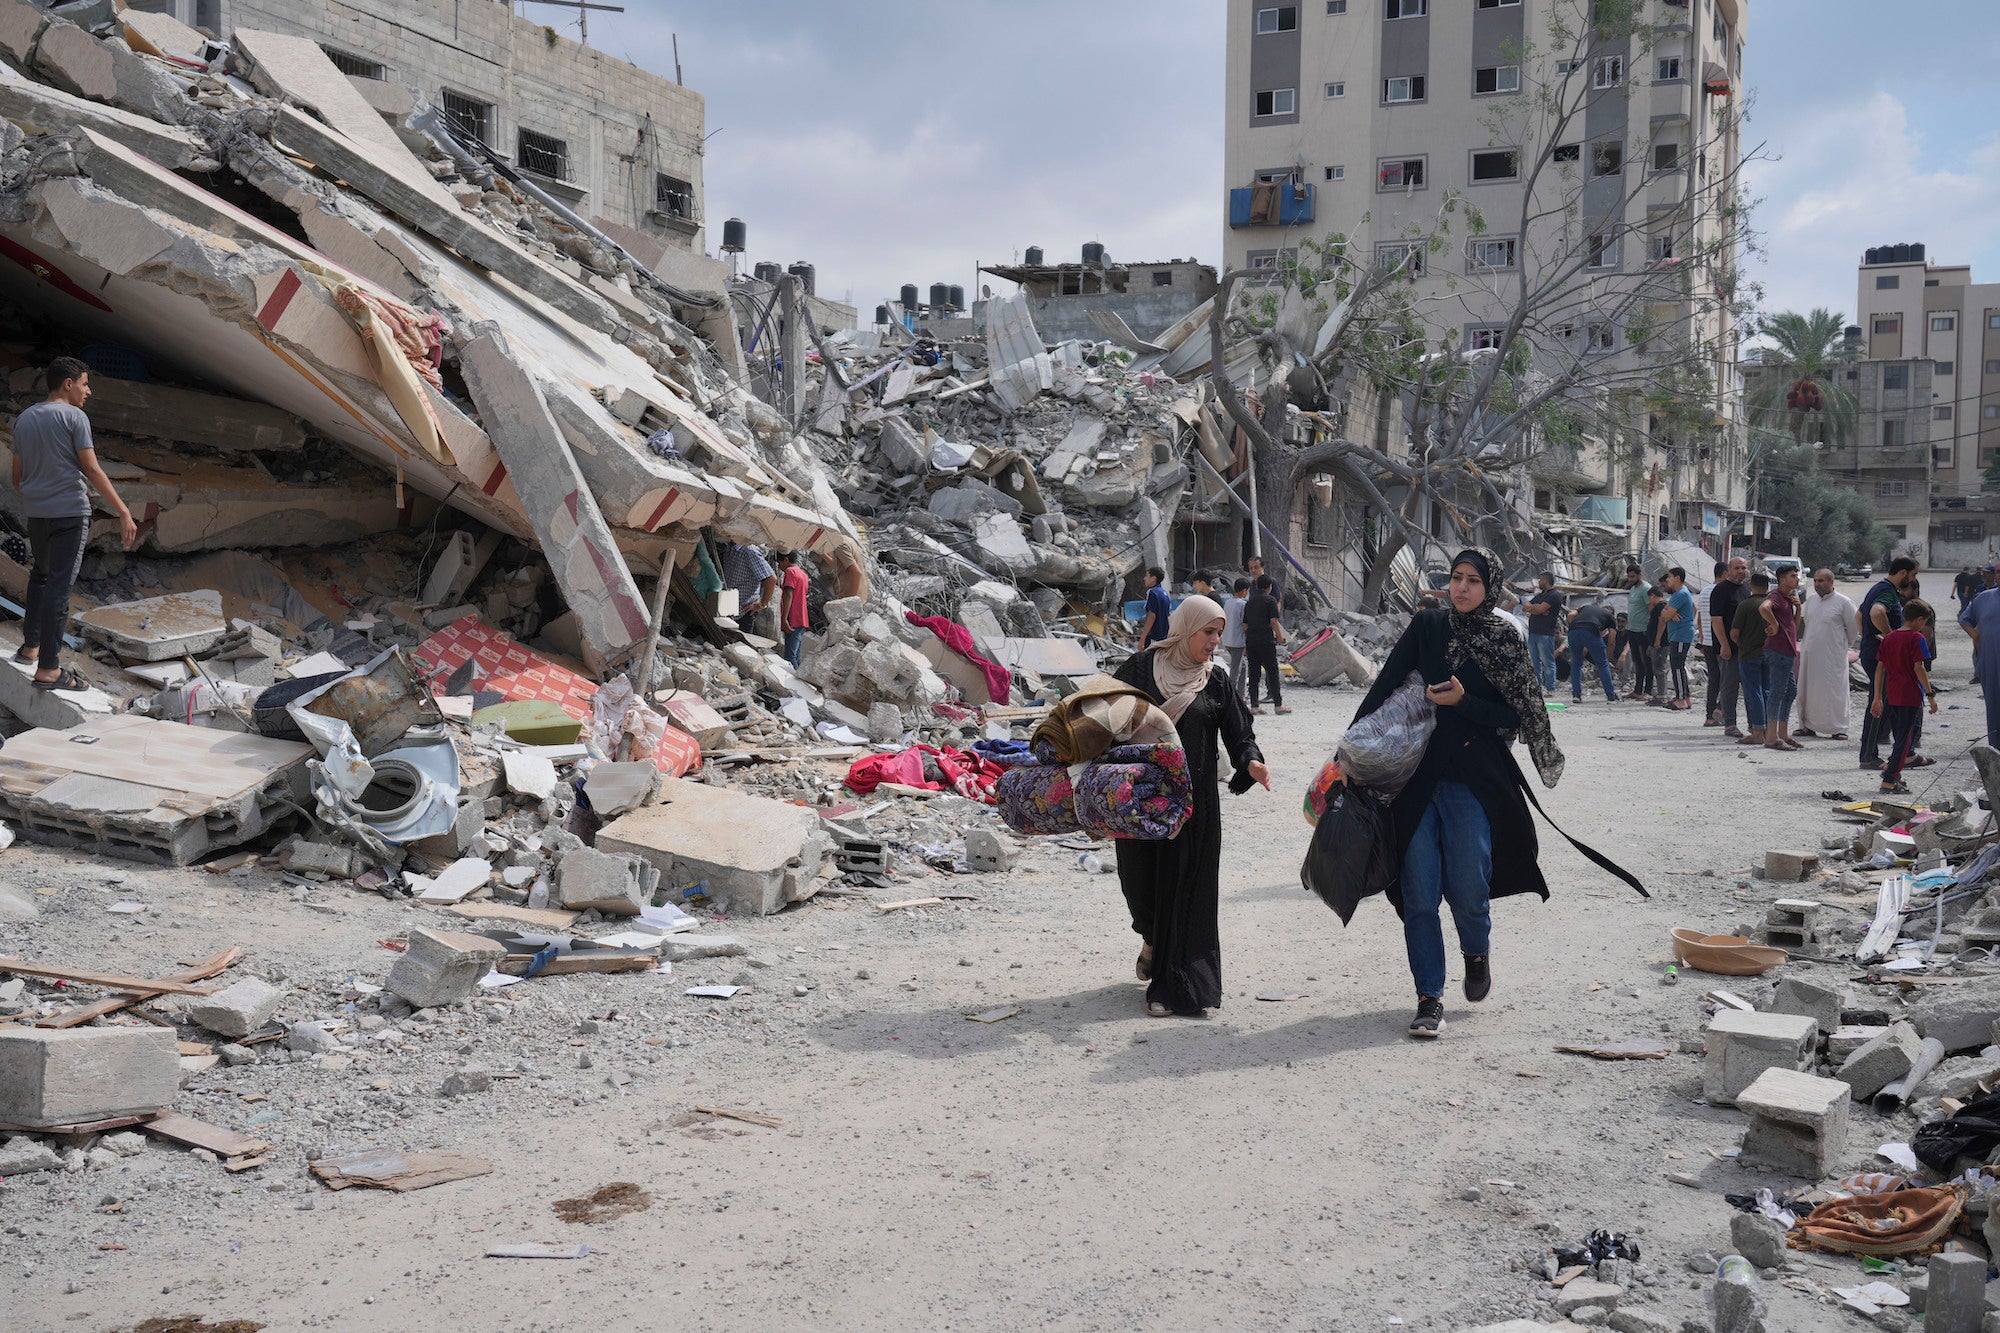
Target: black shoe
{"x": 1478, "y": 977}
{"x": 1429, "y": 1021}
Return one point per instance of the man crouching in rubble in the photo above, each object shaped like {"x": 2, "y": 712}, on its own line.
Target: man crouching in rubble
{"x": 53, "y": 458}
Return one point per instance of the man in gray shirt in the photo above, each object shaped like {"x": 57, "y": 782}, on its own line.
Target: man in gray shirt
{"x": 55, "y": 463}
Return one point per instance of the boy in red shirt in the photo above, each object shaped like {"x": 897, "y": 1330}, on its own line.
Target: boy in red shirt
{"x": 794, "y": 614}
{"x": 1902, "y": 683}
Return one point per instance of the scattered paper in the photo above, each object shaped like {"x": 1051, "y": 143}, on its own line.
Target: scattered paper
{"x": 665, "y": 920}
{"x": 126, "y": 909}
{"x": 538, "y": 1251}
{"x": 713, "y": 992}
{"x": 1901, "y": 1154}
{"x": 319, "y": 664}
{"x": 1631, "y": 1048}
{"x": 495, "y": 980}
{"x": 630, "y": 939}
{"x": 1281, "y": 996}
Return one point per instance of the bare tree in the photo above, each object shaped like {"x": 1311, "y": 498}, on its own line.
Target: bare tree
{"x": 1601, "y": 312}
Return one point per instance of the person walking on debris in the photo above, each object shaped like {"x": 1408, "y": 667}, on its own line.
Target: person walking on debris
{"x": 1637, "y": 621}
{"x": 1902, "y": 683}
{"x": 1462, "y": 819}
{"x": 55, "y": 465}
{"x": 746, "y": 569}
{"x": 1881, "y": 613}
{"x": 1722, "y": 602}
{"x": 1173, "y": 886}
{"x": 794, "y": 614}
{"x": 1679, "y": 614}
{"x": 1829, "y": 631}
{"x": 1232, "y": 631}
{"x": 1981, "y": 621}
{"x": 1590, "y": 628}
{"x": 1544, "y": 617}
{"x": 1780, "y": 611}
{"x": 1159, "y": 608}
{"x": 1261, "y": 636}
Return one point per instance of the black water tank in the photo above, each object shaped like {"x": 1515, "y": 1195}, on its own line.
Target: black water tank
{"x": 940, "y": 297}
{"x": 1093, "y": 253}
{"x": 804, "y": 273}
{"x": 909, "y": 297}
{"x": 1033, "y": 257}
{"x": 881, "y": 314}
{"x": 958, "y": 298}
{"x": 1917, "y": 253}
{"x": 1852, "y": 333}
{"x": 1872, "y": 255}
{"x": 768, "y": 272}
{"x": 735, "y": 235}
{"x": 1903, "y": 253}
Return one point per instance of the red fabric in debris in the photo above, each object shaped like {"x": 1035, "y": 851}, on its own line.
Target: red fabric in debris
{"x": 957, "y": 638}
{"x": 964, "y": 772}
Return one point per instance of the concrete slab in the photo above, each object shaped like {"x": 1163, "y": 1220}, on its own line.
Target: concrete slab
{"x": 21, "y": 25}
{"x": 573, "y": 535}
{"x": 160, "y": 34}
{"x": 187, "y": 416}
{"x": 70, "y": 1076}
{"x": 158, "y": 629}
{"x": 56, "y": 710}
{"x": 45, "y": 110}
{"x": 79, "y": 63}
{"x": 754, "y": 855}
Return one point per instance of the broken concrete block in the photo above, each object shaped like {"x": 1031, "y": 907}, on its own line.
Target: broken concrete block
{"x": 158, "y": 629}
{"x": 901, "y": 450}
{"x": 460, "y": 1082}
{"x": 885, "y": 722}
{"x": 615, "y": 884}
{"x": 987, "y": 852}
{"x": 1880, "y": 1062}
{"x": 615, "y": 788}
{"x": 1741, "y": 1046}
{"x": 691, "y": 713}
{"x": 529, "y": 774}
{"x": 1759, "y": 1239}
{"x": 442, "y": 967}
{"x": 1848, "y": 1038}
{"x": 1002, "y": 547}
{"x": 685, "y": 948}
{"x": 453, "y": 573}
{"x": 1796, "y": 995}
{"x": 324, "y": 858}
{"x": 310, "y": 1038}
{"x": 238, "y": 1010}
{"x": 21, "y": 1155}
{"x": 1583, "y": 1293}
{"x": 21, "y": 23}
{"x": 753, "y": 854}
{"x": 1790, "y": 867}
{"x": 1798, "y": 1123}
{"x": 79, "y": 63}
{"x": 1955, "y": 1298}
{"x": 459, "y": 881}
{"x": 70, "y": 1076}
{"x": 1959, "y": 1017}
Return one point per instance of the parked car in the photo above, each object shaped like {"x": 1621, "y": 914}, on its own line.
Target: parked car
{"x": 1848, "y": 570}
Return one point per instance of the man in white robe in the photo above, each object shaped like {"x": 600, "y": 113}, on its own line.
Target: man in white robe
{"x": 1831, "y": 629}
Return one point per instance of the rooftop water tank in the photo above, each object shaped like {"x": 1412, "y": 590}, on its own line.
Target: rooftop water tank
{"x": 804, "y": 273}
{"x": 940, "y": 297}
{"x": 909, "y": 297}
{"x": 1033, "y": 257}
{"x": 958, "y": 298}
{"x": 767, "y": 271}
{"x": 1093, "y": 253}
{"x": 881, "y": 314}
{"x": 735, "y": 235}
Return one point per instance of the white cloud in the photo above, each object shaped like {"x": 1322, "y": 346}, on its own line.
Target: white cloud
{"x": 1851, "y": 176}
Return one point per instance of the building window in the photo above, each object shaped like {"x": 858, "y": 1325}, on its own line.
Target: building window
{"x": 357, "y": 67}
{"x": 1499, "y": 164}
{"x": 1277, "y": 102}
{"x": 468, "y": 117}
{"x": 1498, "y": 4}
{"x": 1666, "y": 157}
{"x": 1400, "y": 257}
{"x": 1993, "y": 321}
{"x": 1565, "y": 68}
{"x": 1483, "y": 338}
{"x": 1964, "y": 532}
{"x": 1336, "y": 7}
{"x": 672, "y": 196}
{"x": 1943, "y": 323}
{"x": 1336, "y": 90}
{"x": 1601, "y": 249}
{"x": 1888, "y": 324}
{"x": 1497, "y": 79}
{"x": 1892, "y": 434}
{"x": 1405, "y": 9}
{"x": 1607, "y": 157}
{"x": 1566, "y": 152}
{"x": 1409, "y": 89}
{"x": 1500, "y": 253}
{"x": 1991, "y": 411}
{"x": 1941, "y": 456}
{"x": 1402, "y": 173}
{"x": 1659, "y": 249}
{"x": 1884, "y": 486}
{"x": 543, "y": 154}
{"x": 1336, "y": 173}
{"x": 1599, "y": 337}
{"x": 1895, "y": 379}
{"x": 1669, "y": 69}
{"x": 1942, "y": 369}
{"x": 1284, "y": 18}
{"x": 1887, "y": 282}
{"x": 1941, "y": 413}
{"x": 1163, "y": 277}
{"x": 1608, "y": 72}
{"x": 1993, "y": 367}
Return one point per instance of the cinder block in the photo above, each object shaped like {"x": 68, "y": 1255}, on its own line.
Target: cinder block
{"x": 70, "y": 1076}
{"x": 987, "y": 852}
{"x": 1790, "y": 866}
{"x": 238, "y": 1010}
{"x": 1956, "y": 1299}
{"x": 1796, "y": 995}
{"x": 1881, "y": 1062}
{"x": 1798, "y": 1123}
{"x": 1848, "y": 1038}
{"x": 1960, "y": 1017}
{"x": 442, "y": 967}
{"x": 1742, "y": 1046}
{"x": 612, "y": 883}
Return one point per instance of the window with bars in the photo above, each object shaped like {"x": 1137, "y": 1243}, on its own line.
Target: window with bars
{"x": 1893, "y": 434}
{"x": 468, "y": 117}
{"x": 1885, "y": 486}
{"x": 543, "y": 154}
{"x": 672, "y": 196}
{"x": 359, "y": 67}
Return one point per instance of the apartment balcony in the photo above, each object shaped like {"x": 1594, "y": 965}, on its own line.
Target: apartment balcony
{"x": 1271, "y": 204}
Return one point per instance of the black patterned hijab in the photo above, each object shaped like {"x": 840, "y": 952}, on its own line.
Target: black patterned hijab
{"x": 1503, "y": 655}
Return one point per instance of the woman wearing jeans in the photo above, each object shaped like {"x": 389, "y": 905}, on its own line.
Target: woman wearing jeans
{"x": 1462, "y": 821}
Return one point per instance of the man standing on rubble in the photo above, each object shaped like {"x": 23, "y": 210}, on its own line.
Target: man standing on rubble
{"x": 1256, "y": 563}
{"x": 1881, "y": 613}
{"x": 745, "y": 569}
{"x": 1261, "y": 636}
{"x": 1723, "y": 600}
{"x": 55, "y": 463}
{"x": 1633, "y": 635}
{"x": 1545, "y": 615}
{"x": 1159, "y": 608}
{"x": 793, "y": 614}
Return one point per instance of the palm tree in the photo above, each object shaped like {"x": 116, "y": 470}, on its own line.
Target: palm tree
{"x": 1800, "y": 388}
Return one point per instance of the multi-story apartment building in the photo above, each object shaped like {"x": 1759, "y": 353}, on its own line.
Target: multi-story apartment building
{"x": 1945, "y": 329}
{"x": 609, "y": 139}
{"x": 1359, "y": 117}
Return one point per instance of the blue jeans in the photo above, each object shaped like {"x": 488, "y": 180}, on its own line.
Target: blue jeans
{"x": 1542, "y": 653}
{"x": 1450, "y": 859}
{"x": 1780, "y": 688}
{"x": 795, "y": 643}
{"x": 1751, "y": 672}
{"x": 1585, "y": 646}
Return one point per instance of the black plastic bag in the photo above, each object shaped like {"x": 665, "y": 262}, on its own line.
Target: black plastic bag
{"x": 1353, "y": 853}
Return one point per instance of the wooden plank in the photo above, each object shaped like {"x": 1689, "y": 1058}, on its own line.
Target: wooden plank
{"x": 201, "y": 971}
{"x": 192, "y": 1133}
{"x": 109, "y": 980}
{"x": 747, "y": 1117}
{"x": 572, "y": 963}
{"x": 91, "y": 1127}
{"x": 909, "y": 902}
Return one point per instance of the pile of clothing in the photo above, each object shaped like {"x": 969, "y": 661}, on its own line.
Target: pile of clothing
{"x": 1108, "y": 762}
{"x": 929, "y": 767}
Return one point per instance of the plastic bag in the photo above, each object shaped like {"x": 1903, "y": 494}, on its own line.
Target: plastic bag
{"x": 1353, "y": 854}
{"x": 1382, "y": 751}
{"x": 1321, "y": 787}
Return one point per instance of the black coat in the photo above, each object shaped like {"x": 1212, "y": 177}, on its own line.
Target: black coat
{"x": 1467, "y": 748}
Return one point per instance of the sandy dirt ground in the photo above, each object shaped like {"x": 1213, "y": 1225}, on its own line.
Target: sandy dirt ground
{"x": 1296, "y": 1164}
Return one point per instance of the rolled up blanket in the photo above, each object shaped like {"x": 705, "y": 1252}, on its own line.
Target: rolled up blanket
{"x": 1135, "y": 791}
{"x": 1037, "y": 799}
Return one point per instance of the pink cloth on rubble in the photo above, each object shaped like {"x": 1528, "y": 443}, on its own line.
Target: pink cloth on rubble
{"x": 957, "y": 638}
{"x": 965, "y": 773}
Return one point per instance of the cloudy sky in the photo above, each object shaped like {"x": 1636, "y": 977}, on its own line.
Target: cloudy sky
{"x": 891, "y": 143}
